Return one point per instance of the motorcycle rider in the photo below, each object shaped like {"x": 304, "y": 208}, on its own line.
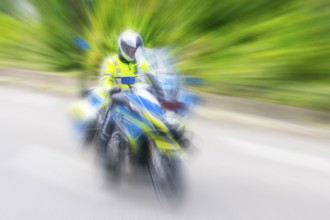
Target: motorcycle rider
{"x": 119, "y": 65}
{"x": 123, "y": 63}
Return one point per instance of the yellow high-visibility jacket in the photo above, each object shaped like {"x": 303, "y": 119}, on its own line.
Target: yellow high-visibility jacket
{"x": 113, "y": 67}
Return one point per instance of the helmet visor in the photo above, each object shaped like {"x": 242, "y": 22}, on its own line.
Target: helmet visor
{"x": 131, "y": 52}
{"x": 128, "y": 50}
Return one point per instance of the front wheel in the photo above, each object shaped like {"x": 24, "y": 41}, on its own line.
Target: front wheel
{"x": 166, "y": 175}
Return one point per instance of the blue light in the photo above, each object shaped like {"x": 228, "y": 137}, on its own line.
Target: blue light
{"x": 193, "y": 80}
{"x": 81, "y": 43}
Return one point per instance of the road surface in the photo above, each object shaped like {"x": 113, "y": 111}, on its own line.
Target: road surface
{"x": 237, "y": 171}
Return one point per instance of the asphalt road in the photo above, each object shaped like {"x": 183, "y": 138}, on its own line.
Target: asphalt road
{"x": 237, "y": 171}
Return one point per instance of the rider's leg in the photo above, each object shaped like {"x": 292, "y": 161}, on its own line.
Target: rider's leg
{"x": 105, "y": 133}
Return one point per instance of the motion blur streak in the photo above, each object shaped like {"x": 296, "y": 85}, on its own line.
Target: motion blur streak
{"x": 264, "y": 77}
{"x": 270, "y": 50}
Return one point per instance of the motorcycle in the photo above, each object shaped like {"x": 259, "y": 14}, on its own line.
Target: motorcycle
{"x": 148, "y": 126}
{"x": 141, "y": 133}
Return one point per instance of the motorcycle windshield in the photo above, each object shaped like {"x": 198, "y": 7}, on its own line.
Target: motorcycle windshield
{"x": 161, "y": 64}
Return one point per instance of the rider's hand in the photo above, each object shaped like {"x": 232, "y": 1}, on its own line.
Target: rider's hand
{"x": 114, "y": 90}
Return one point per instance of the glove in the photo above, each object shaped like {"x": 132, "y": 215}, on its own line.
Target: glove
{"x": 114, "y": 90}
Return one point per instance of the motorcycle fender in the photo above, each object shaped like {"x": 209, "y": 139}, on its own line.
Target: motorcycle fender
{"x": 167, "y": 146}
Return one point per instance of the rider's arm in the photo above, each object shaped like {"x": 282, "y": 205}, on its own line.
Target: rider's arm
{"x": 108, "y": 71}
{"x": 144, "y": 66}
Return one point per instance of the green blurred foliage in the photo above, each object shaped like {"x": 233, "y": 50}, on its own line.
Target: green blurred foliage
{"x": 270, "y": 50}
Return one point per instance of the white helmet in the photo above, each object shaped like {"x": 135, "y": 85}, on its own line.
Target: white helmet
{"x": 128, "y": 42}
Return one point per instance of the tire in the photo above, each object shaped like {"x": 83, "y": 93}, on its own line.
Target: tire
{"x": 166, "y": 176}
{"x": 114, "y": 156}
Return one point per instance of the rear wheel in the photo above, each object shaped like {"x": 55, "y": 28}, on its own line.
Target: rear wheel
{"x": 90, "y": 133}
{"x": 114, "y": 156}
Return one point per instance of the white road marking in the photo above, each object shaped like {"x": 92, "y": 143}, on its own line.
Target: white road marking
{"x": 280, "y": 155}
